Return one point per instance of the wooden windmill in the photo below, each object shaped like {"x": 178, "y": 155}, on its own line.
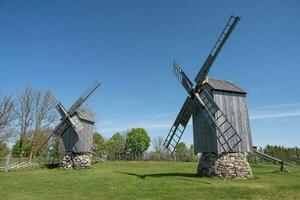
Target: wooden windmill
{"x": 220, "y": 117}
{"x": 75, "y": 131}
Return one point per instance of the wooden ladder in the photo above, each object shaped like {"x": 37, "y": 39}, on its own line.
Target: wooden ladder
{"x": 174, "y": 137}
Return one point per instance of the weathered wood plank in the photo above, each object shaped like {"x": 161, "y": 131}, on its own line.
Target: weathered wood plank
{"x": 234, "y": 106}
{"x": 77, "y": 141}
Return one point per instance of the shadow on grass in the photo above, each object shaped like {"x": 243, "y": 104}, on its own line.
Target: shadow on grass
{"x": 52, "y": 166}
{"x": 180, "y": 176}
{"x": 272, "y": 172}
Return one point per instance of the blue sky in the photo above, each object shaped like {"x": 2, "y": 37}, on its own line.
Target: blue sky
{"x": 129, "y": 46}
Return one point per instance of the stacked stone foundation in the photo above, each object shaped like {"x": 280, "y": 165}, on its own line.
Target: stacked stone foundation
{"x": 76, "y": 161}
{"x": 226, "y": 165}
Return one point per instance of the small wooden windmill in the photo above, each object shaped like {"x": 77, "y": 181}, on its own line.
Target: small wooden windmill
{"x": 220, "y": 118}
{"x": 75, "y": 132}
{"x": 76, "y": 127}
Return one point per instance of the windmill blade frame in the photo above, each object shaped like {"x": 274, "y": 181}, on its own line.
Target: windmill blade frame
{"x": 46, "y": 141}
{"x": 88, "y": 92}
{"x": 63, "y": 125}
{"x": 179, "y": 125}
{"x": 231, "y": 24}
{"x": 182, "y": 77}
{"x": 61, "y": 109}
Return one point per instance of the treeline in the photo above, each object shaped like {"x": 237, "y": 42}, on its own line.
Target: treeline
{"x": 283, "y": 153}
{"x": 131, "y": 145}
{"x": 134, "y": 145}
{"x": 183, "y": 152}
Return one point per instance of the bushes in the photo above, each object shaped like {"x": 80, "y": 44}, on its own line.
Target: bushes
{"x": 137, "y": 142}
{"x": 130, "y": 146}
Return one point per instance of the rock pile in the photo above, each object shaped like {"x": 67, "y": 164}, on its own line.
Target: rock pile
{"x": 76, "y": 161}
{"x": 227, "y": 165}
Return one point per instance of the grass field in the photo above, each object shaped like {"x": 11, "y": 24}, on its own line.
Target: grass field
{"x": 146, "y": 180}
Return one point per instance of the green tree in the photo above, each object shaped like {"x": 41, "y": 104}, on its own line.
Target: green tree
{"x": 192, "y": 156}
{"x": 116, "y": 146}
{"x": 25, "y": 148}
{"x": 137, "y": 142}
{"x": 40, "y": 149}
{"x": 3, "y": 149}
{"x": 284, "y": 153}
{"x": 160, "y": 152}
{"x": 54, "y": 149}
{"x": 100, "y": 143}
{"x": 182, "y": 152}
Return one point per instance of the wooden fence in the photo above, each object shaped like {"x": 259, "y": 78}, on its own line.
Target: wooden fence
{"x": 10, "y": 164}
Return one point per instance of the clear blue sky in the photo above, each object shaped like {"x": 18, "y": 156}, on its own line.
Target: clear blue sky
{"x": 129, "y": 46}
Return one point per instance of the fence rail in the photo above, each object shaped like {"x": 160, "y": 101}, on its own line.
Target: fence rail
{"x": 14, "y": 164}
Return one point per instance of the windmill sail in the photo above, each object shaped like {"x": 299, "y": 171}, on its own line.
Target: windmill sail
{"x": 185, "y": 113}
{"x": 179, "y": 125}
{"x": 83, "y": 97}
{"x": 232, "y": 22}
{"x": 182, "y": 77}
{"x": 61, "y": 109}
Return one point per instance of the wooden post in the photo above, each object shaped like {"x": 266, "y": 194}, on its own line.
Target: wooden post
{"x": 7, "y": 165}
{"x": 281, "y": 165}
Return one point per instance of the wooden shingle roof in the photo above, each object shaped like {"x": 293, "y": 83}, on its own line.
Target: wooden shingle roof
{"x": 85, "y": 116}
{"x": 223, "y": 85}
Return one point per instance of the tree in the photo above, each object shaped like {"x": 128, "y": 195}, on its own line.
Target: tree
{"x": 40, "y": 136}
{"x": 3, "y": 149}
{"x": 159, "y": 148}
{"x": 24, "y": 112}
{"x": 35, "y": 113}
{"x": 192, "y": 156}
{"x": 54, "y": 149}
{"x": 25, "y": 148}
{"x": 100, "y": 143}
{"x": 27, "y": 142}
{"x": 7, "y": 118}
{"x": 116, "y": 146}
{"x": 137, "y": 142}
{"x": 44, "y": 115}
{"x": 283, "y": 153}
{"x": 181, "y": 152}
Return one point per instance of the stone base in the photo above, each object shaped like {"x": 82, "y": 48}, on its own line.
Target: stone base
{"x": 76, "y": 161}
{"x": 227, "y": 165}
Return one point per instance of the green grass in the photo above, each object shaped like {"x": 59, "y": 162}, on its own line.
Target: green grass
{"x": 147, "y": 180}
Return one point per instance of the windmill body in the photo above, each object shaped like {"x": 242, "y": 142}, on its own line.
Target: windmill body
{"x": 78, "y": 140}
{"x": 231, "y": 99}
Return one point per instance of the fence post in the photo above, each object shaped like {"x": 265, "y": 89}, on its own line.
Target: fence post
{"x": 7, "y": 165}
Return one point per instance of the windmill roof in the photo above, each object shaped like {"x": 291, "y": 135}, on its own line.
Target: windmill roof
{"x": 224, "y": 85}
{"x": 85, "y": 116}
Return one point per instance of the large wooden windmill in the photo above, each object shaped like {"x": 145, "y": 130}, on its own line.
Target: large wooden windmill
{"x": 220, "y": 117}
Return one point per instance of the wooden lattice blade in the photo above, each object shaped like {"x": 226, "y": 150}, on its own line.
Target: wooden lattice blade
{"x": 201, "y": 76}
